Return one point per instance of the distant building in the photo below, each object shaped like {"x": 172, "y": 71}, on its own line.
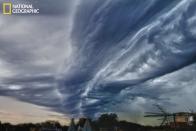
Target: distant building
{"x": 85, "y": 127}
{"x": 72, "y": 126}
{"x": 182, "y": 119}
{"x": 79, "y": 128}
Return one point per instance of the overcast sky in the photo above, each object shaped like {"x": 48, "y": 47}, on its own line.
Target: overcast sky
{"x": 85, "y": 57}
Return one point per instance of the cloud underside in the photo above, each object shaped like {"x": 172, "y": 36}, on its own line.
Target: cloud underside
{"x": 102, "y": 56}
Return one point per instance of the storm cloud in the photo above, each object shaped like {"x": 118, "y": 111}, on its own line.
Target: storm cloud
{"x": 89, "y": 57}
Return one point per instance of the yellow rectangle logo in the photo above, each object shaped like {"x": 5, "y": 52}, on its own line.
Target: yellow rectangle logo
{"x": 7, "y": 8}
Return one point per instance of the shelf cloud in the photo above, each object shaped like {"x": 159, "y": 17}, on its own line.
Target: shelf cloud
{"x": 88, "y": 57}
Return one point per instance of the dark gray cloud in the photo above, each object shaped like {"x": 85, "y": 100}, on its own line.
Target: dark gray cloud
{"x": 121, "y": 50}
{"x": 101, "y": 56}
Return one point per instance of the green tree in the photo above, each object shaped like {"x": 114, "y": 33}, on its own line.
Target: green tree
{"x": 107, "y": 120}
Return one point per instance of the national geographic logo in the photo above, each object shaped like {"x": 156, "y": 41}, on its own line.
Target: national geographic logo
{"x": 10, "y": 8}
{"x": 7, "y": 8}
